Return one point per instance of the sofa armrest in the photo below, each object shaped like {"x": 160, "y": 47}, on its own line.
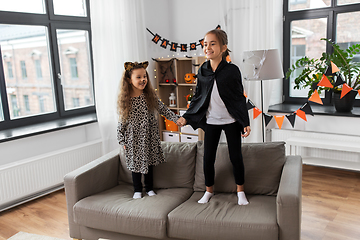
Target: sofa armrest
{"x": 94, "y": 177}
{"x": 288, "y": 200}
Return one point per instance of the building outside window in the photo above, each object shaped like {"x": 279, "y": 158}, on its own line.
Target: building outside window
{"x": 56, "y": 55}
{"x": 76, "y": 102}
{"x": 305, "y": 23}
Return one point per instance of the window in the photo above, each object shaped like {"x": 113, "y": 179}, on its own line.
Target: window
{"x": 73, "y": 68}
{"x": 14, "y": 106}
{"x": 38, "y": 69}
{"x": 23, "y": 70}
{"x": 305, "y": 23}
{"x": 42, "y": 52}
{"x": 26, "y": 103}
{"x": 10, "y": 70}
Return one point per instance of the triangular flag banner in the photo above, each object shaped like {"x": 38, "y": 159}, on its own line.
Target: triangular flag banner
{"x": 328, "y": 71}
{"x": 291, "y": 118}
{"x": 301, "y": 114}
{"x": 256, "y": 112}
{"x": 314, "y": 86}
{"x": 245, "y": 94}
{"x": 324, "y": 82}
{"x": 279, "y": 120}
{"x": 353, "y": 94}
{"x": 315, "y": 97}
{"x": 359, "y": 92}
{"x": 307, "y": 109}
{"x": 250, "y": 104}
{"x": 267, "y": 118}
{"x": 345, "y": 89}
{"x": 334, "y": 68}
{"x": 339, "y": 81}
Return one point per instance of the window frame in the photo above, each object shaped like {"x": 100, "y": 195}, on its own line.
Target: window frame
{"x": 52, "y": 22}
{"x": 328, "y": 12}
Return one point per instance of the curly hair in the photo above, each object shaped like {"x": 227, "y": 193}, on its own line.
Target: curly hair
{"x": 123, "y": 100}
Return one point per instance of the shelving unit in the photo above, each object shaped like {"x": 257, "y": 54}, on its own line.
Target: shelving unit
{"x": 166, "y": 71}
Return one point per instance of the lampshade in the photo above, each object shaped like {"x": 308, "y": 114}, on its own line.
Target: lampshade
{"x": 261, "y": 65}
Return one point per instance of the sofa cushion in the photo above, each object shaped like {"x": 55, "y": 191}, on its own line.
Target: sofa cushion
{"x": 115, "y": 210}
{"x": 263, "y": 167}
{"x": 177, "y": 171}
{"x": 222, "y": 218}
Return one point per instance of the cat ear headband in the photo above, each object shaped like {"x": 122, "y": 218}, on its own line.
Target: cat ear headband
{"x": 129, "y": 65}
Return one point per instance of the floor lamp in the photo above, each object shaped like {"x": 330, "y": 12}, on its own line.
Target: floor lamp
{"x": 261, "y": 65}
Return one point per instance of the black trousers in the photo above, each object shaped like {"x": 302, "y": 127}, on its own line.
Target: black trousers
{"x": 211, "y": 141}
{"x": 148, "y": 180}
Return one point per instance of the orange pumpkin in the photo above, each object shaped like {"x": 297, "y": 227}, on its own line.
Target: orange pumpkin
{"x": 189, "y": 78}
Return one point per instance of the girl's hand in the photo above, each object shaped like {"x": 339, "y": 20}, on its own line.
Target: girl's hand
{"x": 247, "y": 131}
{"x": 124, "y": 147}
{"x": 181, "y": 122}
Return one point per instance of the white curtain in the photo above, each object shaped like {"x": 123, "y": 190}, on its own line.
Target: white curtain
{"x": 254, "y": 25}
{"x": 118, "y": 36}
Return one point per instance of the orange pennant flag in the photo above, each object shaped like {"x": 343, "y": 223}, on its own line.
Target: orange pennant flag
{"x": 315, "y": 97}
{"x": 245, "y": 93}
{"x": 256, "y": 112}
{"x": 359, "y": 92}
{"x": 334, "y": 68}
{"x": 324, "y": 82}
{"x": 279, "y": 120}
{"x": 301, "y": 114}
{"x": 345, "y": 89}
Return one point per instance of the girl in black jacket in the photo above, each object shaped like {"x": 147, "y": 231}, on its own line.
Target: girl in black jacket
{"x": 219, "y": 104}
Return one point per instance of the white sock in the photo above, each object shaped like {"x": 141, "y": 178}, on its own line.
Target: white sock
{"x": 137, "y": 195}
{"x": 206, "y": 197}
{"x": 242, "y": 199}
{"x": 151, "y": 193}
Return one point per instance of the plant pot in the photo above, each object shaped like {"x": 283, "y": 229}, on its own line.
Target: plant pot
{"x": 344, "y": 104}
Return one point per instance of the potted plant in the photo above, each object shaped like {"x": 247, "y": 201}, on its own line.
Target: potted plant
{"x": 314, "y": 69}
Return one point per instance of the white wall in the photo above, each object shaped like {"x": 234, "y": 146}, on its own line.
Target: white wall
{"x": 28, "y": 147}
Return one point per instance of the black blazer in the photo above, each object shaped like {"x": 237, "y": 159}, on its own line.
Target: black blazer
{"x": 231, "y": 91}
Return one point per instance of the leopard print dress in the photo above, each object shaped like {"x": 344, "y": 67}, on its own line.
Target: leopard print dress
{"x": 140, "y": 135}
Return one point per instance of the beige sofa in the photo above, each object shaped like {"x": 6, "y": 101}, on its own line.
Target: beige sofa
{"x": 100, "y": 204}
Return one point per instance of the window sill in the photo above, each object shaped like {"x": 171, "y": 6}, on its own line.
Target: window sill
{"x": 51, "y": 126}
{"x": 317, "y": 110}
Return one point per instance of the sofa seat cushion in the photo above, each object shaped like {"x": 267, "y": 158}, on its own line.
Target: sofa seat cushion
{"x": 115, "y": 210}
{"x": 177, "y": 172}
{"x": 222, "y": 218}
{"x": 263, "y": 167}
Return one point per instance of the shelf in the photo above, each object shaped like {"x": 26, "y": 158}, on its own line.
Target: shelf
{"x": 167, "y": 69}
{"x": 187, "y": 84}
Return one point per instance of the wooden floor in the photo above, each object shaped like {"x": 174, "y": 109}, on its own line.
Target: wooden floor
{"x": 331, "y": 209}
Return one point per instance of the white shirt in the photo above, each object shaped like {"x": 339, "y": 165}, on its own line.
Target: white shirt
{"x": 217, "y": 114}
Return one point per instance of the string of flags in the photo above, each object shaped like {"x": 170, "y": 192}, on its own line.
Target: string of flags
{"x": 301, "y": 113}
{"x": 174, "y": 46}
{"x": 306, "y": 108}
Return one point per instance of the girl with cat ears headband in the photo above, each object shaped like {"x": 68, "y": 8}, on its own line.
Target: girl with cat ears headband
{"x": 130, "y": 66}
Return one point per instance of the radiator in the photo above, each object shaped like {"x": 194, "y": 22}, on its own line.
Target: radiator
{"x": 31, "y": 178}
{"x": 317, "y": 156}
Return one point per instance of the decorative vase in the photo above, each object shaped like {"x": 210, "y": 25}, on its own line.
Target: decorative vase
{"x": 345, "y": 104}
